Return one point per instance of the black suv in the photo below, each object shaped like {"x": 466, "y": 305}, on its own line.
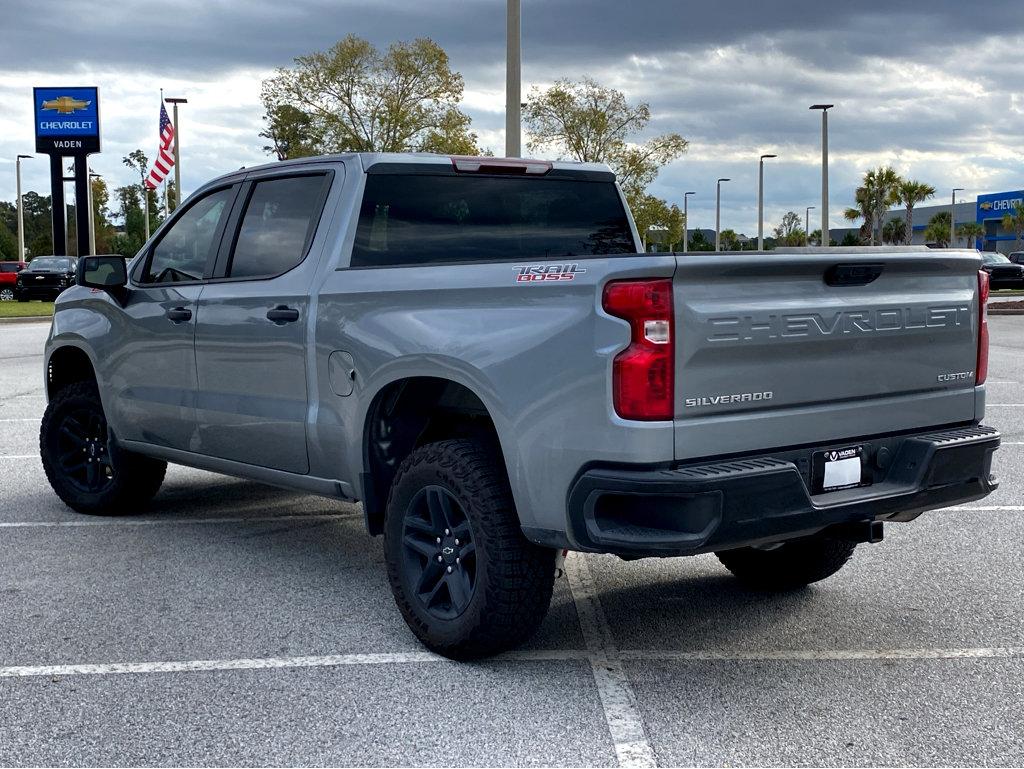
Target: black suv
{"x": 45, "y": 277}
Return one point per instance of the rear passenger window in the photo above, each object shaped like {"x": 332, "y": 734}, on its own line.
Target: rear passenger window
{"x": 277, "y": 226}
{"x": 420, "y": 219}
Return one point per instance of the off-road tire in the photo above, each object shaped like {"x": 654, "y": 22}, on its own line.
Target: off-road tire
{"x": 513, "y": 577}
{"x": 790, "y": 566}
{"x": 135, "y": 479}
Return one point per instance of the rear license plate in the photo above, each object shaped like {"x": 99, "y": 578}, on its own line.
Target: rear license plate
{"x": 837, "y": 469}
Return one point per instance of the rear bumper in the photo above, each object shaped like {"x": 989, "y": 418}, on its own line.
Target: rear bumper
{"x": 698, "y": 508}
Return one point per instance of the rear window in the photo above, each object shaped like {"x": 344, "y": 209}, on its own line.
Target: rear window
{"x": 422, "y": 219}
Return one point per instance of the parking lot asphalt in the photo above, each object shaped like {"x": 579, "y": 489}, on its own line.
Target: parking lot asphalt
{"x": 238, "y": 624}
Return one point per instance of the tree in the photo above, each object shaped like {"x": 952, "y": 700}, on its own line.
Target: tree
{"x": 676, "y": 224}
{"x": 937, "y": 231}
{"x": 594, "y": 124}
{"x": 789, "y": 232}
{"x": 730, "y": 240}
{"x": 288, "y": 129}
{"x": 137, "y": 161}
{"x": 880, "y": 187}
{"x": 815, "y": 238}
{"x": 894, "y": 231}
{"x": 863, "y": 210}
{"x": 909, "y": 193}
{"x": 698, "y": 242}
{"x": 8, "y": 243}
{"x": 849, "y": 239}
{"x": 971, "y": 231}
{"x": 649, "y": 212}
{"x": 1014, "y": 221}
{"x": 354, "y": 98}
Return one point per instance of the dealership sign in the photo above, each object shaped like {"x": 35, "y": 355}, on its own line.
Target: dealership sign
{"x": 67, "y": 120}
{"x": 997, "y": 204}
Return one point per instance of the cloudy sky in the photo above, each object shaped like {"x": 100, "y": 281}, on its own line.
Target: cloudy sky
{"x": 933, "y": 87}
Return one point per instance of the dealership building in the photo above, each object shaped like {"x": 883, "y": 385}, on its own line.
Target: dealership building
{"x": 988, "y": 211}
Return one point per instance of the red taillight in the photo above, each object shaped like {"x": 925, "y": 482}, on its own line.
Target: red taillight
{"x": 643, "y": 373}
{"x": 981, "y": 370}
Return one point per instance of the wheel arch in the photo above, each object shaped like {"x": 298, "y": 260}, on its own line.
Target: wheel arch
{"x": 403, "y": 415}
{"x": 67, "y": 364}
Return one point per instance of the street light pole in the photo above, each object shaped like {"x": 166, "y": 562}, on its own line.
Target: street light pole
{"x": 807, "y": 226}
{"x": 760, "y": 201}
{"x": 21, "y": 211}
{"x": 952, "y": 218}
{"x": 686, "y": 220}
{"x": 718, "y": 214}
{"x": 513, "y": 77}
{"x": 177, "y": 151}
{"x": 824, "y": 170}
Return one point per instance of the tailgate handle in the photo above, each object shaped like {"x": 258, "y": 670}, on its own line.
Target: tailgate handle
{"x": 852, "y": 274}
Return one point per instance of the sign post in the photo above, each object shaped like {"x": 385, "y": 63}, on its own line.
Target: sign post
{"x": 67, "y": 124}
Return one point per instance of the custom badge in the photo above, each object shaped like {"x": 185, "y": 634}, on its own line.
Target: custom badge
{"x": 548, "y": 273}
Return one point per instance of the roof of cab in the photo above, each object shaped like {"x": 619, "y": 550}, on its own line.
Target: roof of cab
{"x": 369, "y": 159}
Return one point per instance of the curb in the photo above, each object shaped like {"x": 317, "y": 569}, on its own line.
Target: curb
{"x": 995, "y": 310}
{"x": 26, "y": 319}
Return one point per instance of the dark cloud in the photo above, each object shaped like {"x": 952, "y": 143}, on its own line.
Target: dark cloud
{"x": 931, "y": 86}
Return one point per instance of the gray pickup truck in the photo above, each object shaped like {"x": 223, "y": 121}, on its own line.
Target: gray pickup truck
{"x": 477, "y": 350}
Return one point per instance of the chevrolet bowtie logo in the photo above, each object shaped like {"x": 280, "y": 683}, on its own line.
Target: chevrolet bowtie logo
{"x": 65, "y": 105}
{"x": 986, "y": 206}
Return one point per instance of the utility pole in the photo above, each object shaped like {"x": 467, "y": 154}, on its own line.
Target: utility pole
{"x": 824, "y": 171}
{"x": 513, "y": 78}
{"x": 952, "y": 218}
{"x": 718, "y": 214}
{"x": 760, "y": 201}
{"x": 686, "y": 220}
{"x": 807, "y": 226}
{"x": 177, "y": 150}
{"x": 21, "y": 210}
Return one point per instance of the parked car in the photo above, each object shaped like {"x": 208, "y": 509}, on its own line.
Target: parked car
{"x": 1017, "y": 257}
{"x": 45, "y": 277}
{"x": 1005, "y": 274}
{"x": 8, "y": 276}
{"x": 479, "y": 351}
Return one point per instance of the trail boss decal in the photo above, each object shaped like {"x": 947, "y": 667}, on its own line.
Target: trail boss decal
{"x": 548, "y": 273}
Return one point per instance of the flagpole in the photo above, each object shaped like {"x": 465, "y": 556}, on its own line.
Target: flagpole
{"x": 145, "y": 207}
{"x": 177, "y": 151}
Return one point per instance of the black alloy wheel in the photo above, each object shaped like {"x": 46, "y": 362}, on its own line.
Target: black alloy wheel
{"x": 439, "y": 555}
{"x": 82, "y": 451}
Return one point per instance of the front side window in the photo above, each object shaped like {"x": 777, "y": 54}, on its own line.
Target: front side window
{"x": 422, "y": 219}
{"x": 9, "y": 267}
{"x": 277, "y": 226}
{"x": 183, "y": 251}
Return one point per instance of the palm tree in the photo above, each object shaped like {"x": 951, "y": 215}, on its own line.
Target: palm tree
{"x": 937, "y": 231}
{"x": 862, "y": 211}
{"x": 909, "y": 193}
{"x": 972, "y": 231}
{"x": 881, "y": 185}
{"x": 894, "y": 231}
{"x": 1015, "y": 221}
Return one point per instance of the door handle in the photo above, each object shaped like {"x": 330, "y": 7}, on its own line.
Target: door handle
{"x": 281, "y": 315}
{"x": 179, "y": 314}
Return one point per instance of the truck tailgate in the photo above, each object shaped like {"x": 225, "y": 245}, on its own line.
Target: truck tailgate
{"x": 784, "y": 350}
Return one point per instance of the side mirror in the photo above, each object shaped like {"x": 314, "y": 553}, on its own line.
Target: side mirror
{"x": 104, "y": 272}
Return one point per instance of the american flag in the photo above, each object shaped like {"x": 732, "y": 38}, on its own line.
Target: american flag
{"x": 165, "y": 155}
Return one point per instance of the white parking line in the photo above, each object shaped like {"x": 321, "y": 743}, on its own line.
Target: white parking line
{"x": 168, "y": 521}
{"x": 271, "y": 663}
{"x": 621, "y": 711}
{"x": 19, "y": 456}
{"x": 540, "y": 655}
{"x": 796, "y": 655}
{"x": 23, "y": 419}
